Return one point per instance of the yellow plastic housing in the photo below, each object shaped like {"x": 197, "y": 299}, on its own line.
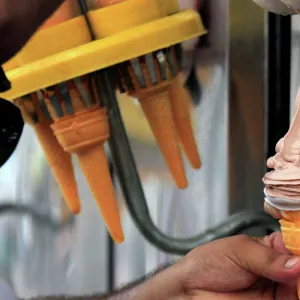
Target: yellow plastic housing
{"x": 126, "y": 30}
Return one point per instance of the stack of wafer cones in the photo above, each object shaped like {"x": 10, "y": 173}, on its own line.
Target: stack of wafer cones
{"x": 156, "y": 104}
{"x": 181, "y": 111}
{"x": 84, "y": 133}
{"x": 166, "y": 107}
{"x": 75, "y": 127}
{"x": 59, "y": 161}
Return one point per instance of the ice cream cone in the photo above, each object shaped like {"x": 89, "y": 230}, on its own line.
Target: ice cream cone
{"x": 158, "y": 111}
{"x": 155, "y": 102}
{"x": 84, "y": 134}
{"x": 93, "y": 163}
{"x": 59, "y": 161}
{"x": 61, "y": 165}
{"x": 182, "y": 118}
{"x": 290, "y": 227}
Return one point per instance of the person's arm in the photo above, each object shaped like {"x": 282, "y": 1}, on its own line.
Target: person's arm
{"x": 19, "y": 20}
{"x": 234, "y": 268}
{"x": 163, "y": 284}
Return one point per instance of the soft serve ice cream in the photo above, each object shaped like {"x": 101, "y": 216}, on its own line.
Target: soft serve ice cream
{"x": 283, "y": 185}
{"x": 283, "y": 182}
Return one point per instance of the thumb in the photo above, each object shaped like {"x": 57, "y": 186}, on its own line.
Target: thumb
{"x": 267, "y": 262}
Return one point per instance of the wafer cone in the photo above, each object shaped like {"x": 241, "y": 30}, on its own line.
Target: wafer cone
{"x": 61, "y": 165}
{"x": 94, "y": 165}
{"x": 84, "y": 134}
{"x": 155, "y": 102}
{"x": 290, "y": 227}
{"x": 157, "y": 109}
{"x": 59, "y": 161}
{"x": 180, "y": 107}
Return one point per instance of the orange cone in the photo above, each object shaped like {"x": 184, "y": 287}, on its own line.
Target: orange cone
{"x": 84, "y": 134}
{"x": 290, "y": 227}
{"x": 61, "y": 165}
{"x": 158, "y": 111}
{"x": 94, "y": 165}
{"x": 59, "y": 161}
{"x": 180, "y": 107}
{"x": 157, "y": 108}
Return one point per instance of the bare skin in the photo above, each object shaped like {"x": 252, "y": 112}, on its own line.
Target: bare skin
{"x": 237, "y": 268}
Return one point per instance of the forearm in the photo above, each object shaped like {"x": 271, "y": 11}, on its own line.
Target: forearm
{"x": 164, "y": 284}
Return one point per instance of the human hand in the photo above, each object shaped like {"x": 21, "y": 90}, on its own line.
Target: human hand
{"x": 235, "y": 268}
{"x": 241, "y": 268}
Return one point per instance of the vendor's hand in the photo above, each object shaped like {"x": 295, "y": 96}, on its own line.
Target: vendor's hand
{"x": 240, "y": 268}
{"x": 19, "y": 19}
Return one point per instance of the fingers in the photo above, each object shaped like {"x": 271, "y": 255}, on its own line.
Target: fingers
{"x": 278, "y": 6}
{"x": 275, "y": 242}
{"x": 287, "y": 292}
{"x": 267, "y": 262}
{"x": 208, "y": 295}
{"x": 236, "y": 263}
{"x": 19, "y": 20}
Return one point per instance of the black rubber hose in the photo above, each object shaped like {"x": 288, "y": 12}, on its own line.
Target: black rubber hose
{"x": 134, "y": 196}
{"x": 42, "y": 219}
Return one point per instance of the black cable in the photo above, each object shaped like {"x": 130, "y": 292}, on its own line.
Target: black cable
{"x": 134, "y": 194}
{"x": 111, "y": 248}
{"x": 42, "y": 219}
{"x": 84, "y": 10}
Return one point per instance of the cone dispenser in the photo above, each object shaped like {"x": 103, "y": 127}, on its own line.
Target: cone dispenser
{"x": 65, "y": 80}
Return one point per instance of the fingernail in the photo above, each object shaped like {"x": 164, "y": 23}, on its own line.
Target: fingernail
{"x": 291, "y": 263}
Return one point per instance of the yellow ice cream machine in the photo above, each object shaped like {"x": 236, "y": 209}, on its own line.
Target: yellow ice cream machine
{"x": 66, "y": 81}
